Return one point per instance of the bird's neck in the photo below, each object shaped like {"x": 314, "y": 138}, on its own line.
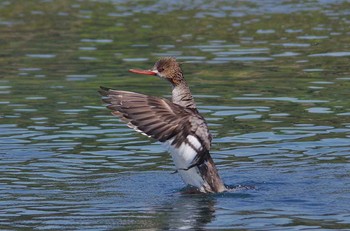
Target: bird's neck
{"x": 182, "y": 96}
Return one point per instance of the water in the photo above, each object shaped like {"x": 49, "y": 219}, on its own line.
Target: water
{"x": 271, "y": 78}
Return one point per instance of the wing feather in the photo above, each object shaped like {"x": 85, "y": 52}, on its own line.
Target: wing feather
{"x": 157, "y": 117}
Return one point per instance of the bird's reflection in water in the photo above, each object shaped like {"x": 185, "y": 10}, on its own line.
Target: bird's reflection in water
{"x": 188, "y": 211}
{"x": 193, "y": 210}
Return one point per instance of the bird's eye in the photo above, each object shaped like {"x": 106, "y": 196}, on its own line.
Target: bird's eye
{"x": 160, "y": 69}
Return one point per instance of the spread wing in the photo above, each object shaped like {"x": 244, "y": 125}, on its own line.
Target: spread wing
{"x": 158, "y": 118}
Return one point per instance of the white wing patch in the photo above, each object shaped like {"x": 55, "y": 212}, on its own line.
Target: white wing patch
{"x": 183, "y": 157}
{"x": 130, "y": 125}
{"x": 195, "y": 142}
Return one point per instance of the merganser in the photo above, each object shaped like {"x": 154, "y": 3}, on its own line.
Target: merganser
{"x": 176, "y": 123}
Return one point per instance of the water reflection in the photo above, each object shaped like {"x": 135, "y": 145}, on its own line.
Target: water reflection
{"x": 270, "y": 77}
{"x": 332, "y": 54}
{"x": 287, "y": 99}
{"x": 187, "y": 212}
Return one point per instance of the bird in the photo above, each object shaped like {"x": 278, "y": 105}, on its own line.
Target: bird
{"x": 176, "y": 123}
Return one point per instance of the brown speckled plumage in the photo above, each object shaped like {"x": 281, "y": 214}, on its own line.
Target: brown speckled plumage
{"x": 177, "y": 122}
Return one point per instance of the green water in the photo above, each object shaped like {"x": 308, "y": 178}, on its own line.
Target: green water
{"x": 271, "y": 78}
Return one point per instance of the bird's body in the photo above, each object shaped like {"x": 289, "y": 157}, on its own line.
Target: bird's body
{"x": 176, "y": 123}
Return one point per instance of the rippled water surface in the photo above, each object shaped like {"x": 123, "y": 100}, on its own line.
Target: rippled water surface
{"x": 271, "y": 77}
